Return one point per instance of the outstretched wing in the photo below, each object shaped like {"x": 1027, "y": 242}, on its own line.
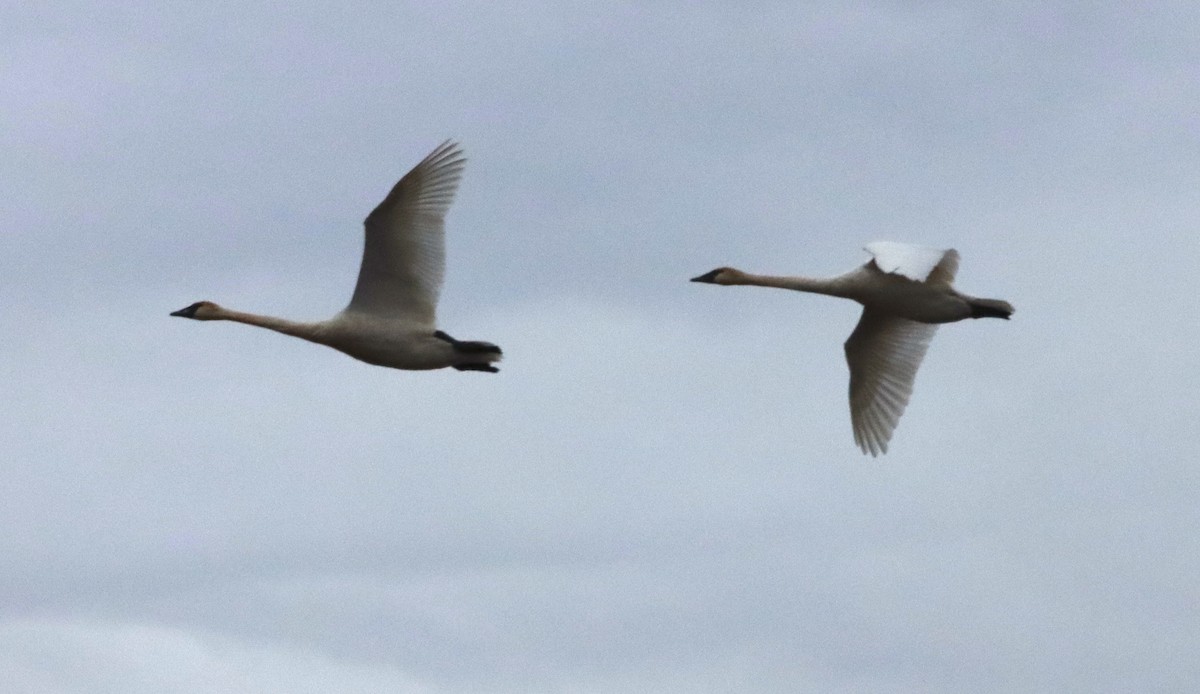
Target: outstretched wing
{"x": 404, "y": 257}
{"x": 884, "y": 353}
{"x": 930, "y": 265}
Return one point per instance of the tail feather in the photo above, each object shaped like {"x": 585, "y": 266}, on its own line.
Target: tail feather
{"x": 991, "y": 308}
{"x": 475, "y": 347}
{"x": 476, "y": 355}
{"x": 468, "y": 346}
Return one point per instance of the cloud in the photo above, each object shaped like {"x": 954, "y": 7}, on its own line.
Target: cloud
{"x": 48, "y": 656}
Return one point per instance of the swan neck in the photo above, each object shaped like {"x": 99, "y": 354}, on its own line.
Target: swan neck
{"x": 816, "y": 285}
{"x": 307, "y": 331}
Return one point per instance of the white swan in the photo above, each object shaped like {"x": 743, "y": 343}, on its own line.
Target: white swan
{"x": 905, "y": 292}
{"x": 391, "y": 317}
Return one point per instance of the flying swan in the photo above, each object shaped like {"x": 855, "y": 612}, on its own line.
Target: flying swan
{"x": 391, "y": 318}
{"x": 906, "y": 291}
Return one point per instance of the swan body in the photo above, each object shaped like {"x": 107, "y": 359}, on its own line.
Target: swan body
{"x": 906, "y": 292}
{"x": 391, "y": 318}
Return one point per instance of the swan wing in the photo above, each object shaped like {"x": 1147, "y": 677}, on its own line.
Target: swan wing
{"x": 884, "y": 353}
{"x": 404, "y": 256}
{"x": 917, "y": 263}
{"x": 943, "y": 273}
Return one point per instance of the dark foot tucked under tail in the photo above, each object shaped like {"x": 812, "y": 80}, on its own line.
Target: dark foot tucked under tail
{"x": 476, "y": 367}
{"x": 990, "y": 308}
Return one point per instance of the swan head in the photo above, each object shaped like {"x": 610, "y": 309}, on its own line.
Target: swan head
{"x": 722, "y": 275}
{"x": 201, "y": 310}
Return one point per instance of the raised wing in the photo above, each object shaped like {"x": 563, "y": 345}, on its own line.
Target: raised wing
{"x": 945, "y": 270}
{"x": 404, "y": 256}
{"x": 884, "y": 353}
{"x": 917, "y": 263}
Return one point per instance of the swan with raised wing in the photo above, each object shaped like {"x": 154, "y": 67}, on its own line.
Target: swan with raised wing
{"x": 906, "y": 291}
{"x": 391, "y": 318}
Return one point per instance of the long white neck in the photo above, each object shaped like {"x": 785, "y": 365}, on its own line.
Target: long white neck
{"x": 832, "y": 286}
{"x": 308, "y": 331}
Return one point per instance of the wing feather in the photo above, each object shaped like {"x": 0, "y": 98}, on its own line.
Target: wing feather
{"x": 943, "y": 273}
{"x": 884, "y": 353}
{"x": 404, "y": 255}
{"x": 917, "y": 263}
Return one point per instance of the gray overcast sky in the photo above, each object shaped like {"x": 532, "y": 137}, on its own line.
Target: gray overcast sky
{"x": 659, "y": 492}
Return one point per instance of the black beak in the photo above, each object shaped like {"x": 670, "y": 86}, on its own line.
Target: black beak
{"x": 707, "y": 278}
{"x": 186, "y": 312}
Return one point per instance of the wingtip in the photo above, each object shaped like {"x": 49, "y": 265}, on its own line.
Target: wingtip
{"x": 450, "y": 147}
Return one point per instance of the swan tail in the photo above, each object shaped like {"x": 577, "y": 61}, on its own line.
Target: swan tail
{"x": 476, "y": 355}
{"x": 991, "y": 308}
